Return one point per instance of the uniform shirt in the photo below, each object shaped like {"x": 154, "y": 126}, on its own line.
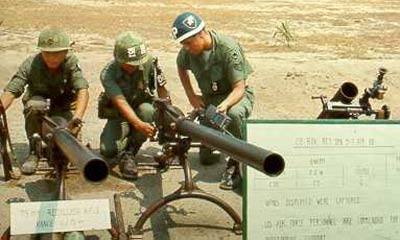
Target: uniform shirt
{"x": 60, "y": 87}
{"x": 136, "y": 87}
{"x": 216, "y": 73}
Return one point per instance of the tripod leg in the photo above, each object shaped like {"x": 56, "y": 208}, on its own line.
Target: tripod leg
{"x": 119, "y": 217}
{"x": 138, "y": 228}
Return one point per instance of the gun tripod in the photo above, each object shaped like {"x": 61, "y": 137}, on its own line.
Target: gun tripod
{"x": 188, "y": 189}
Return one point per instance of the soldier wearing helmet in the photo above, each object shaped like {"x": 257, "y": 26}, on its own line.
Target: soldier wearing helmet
{"x": 54, "y": 76}
{"x": 221, "y": 70}
{"x": 129, "y": 81}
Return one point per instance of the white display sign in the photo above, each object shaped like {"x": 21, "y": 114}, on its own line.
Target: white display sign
{"x": 59, "y": 216}
{"x": 341, "y": 181}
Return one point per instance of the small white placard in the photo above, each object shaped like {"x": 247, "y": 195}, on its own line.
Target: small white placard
{"x": 59, "y": 216}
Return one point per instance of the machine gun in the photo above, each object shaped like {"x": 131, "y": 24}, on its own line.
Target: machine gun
{"x": 57, "y": 144}
{"x": 342, "y": 106}
{"x": 176, "y": 134}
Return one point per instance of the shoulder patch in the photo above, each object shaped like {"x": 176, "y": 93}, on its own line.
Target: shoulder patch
{"x": 236, "y": 59}
{"x": 160, "y": 77}
{"x": 161, "y": 81}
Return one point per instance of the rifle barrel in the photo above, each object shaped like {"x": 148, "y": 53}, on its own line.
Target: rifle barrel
{"x": 93, "y": 167}
{"x": 270, "y": 163}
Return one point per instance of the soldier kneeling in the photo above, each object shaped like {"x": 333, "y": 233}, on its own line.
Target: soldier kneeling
{"x": 54, "y": 76}
{"x": 129, "y": 82}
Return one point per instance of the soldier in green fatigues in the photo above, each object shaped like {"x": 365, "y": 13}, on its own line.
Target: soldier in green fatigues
{"x": 129, "y": 82}
{"x": 221, "y": 70}
{"x": 52, "y": 75}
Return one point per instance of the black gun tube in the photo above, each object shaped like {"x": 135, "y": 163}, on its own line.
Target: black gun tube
{"x": 94, "y": 168}
{"x": 171, "y": 119}
{"x": 346, "y": 93}
{"x": 271, "y": 164}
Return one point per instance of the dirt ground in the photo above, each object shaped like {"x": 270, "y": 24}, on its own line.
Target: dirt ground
{"x": 335, "y": 41}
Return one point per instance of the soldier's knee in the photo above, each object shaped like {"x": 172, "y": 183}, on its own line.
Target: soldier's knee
{"x": 145, "y": 112}
{"x": 108, "y": 153}
{"x": 236, "y": 114}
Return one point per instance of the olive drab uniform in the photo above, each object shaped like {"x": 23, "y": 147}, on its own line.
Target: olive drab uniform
{"x": 59, "y": 87}
{"x": 216, "y": 71}
{"x": 138, "y": 90}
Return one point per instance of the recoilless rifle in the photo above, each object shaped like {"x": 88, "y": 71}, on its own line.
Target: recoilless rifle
{"x": 343, "y": 106}
{"x": 177, "y": 134}
{"x": 61, "y": 148}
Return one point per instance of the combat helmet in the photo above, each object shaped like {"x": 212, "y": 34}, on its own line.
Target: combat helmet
{"x": 186, "y": 25}
{"x": 53, "y": 39}
{"x": 131, "y": 49}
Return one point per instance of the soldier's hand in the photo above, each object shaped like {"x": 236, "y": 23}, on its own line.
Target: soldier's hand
{"x": 74, "y": 125}
{"x": 146, "y": 128}
{"x": 222, "y": 108}
{"x": 196, "y": 101}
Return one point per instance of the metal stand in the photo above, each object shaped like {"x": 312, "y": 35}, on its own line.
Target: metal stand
{"x": 188, "y": 189}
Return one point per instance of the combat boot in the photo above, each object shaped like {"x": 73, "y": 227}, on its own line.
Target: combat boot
{"x": 231, "y": 176}
{"x": 128, "y": 166}
{"x": 30, "y": 164}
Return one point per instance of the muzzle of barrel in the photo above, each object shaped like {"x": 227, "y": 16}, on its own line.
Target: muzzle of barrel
{"x": 93, "y": 167}
{"x": 274, "y": 164}
{"x": 346, "y": 93}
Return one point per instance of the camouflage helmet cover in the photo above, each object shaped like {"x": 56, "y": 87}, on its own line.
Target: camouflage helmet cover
{"x": 53, "y": 39}
{"x": 186, "y": 25}
{"x": 131, "y": 49}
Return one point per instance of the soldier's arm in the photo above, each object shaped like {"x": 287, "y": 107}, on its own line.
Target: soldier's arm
{"x": 235, "y": 96}
{"x": 117, "y": 98}
{"x": 127, "y": 112}
{"x": 235, "y": 65}
{"x": 6, "y": 99}
{"x": 80, "y": 84}
{"x": 185, "y": 80}
{"x": 81, "y": 103}
{"x": 16, "y": 85}
{"x": 194, "y": 99}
